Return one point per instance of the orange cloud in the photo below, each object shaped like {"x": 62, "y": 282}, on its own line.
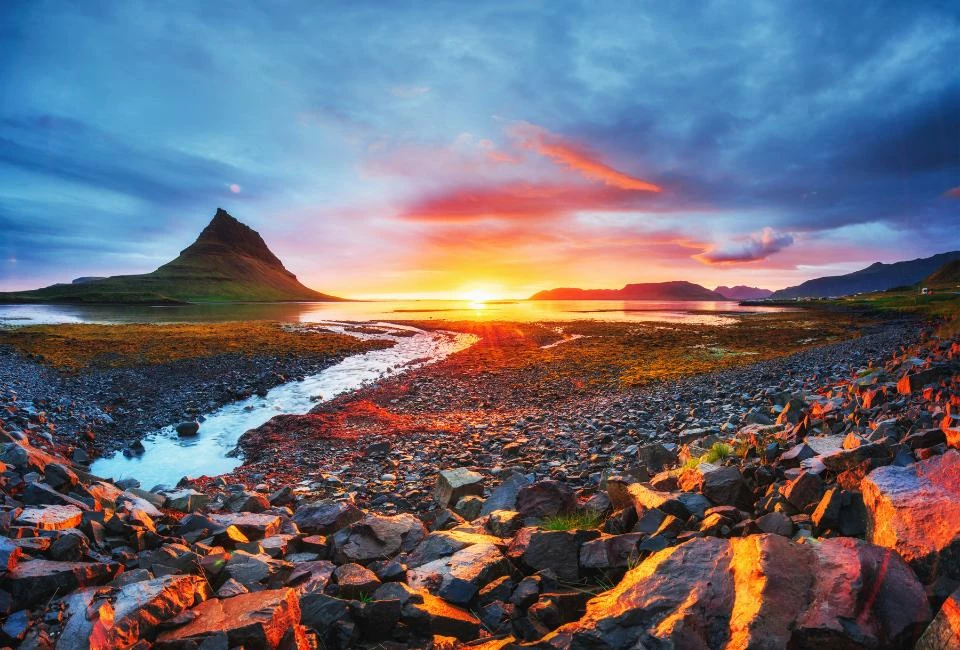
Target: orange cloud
{"x": 576, "y": 158}
{"x": 519, "y": 200}
{"x": 953, "y": 193}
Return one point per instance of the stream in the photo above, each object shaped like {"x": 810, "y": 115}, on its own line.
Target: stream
{"x": 167, "y": 457}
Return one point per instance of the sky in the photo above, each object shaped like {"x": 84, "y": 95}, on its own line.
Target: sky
{"x": 446, "y": 149}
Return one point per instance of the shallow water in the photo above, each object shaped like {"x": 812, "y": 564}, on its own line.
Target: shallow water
{"x": 168, "y": 457}
{"x": 710, "y": 313}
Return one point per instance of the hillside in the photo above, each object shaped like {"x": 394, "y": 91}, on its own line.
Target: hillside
{"x": 876, "y": 277}
{"x": 741, "y": 292}
{"x": 676, "y": 290}
{"x": 947, "y": 276}
{"x": 229, "y": 261}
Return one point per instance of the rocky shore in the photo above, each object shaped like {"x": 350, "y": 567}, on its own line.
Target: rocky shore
{"x": 113, "y": 407}
{"x": 808, "y": 501}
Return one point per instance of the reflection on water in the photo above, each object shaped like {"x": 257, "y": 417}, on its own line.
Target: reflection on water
{"x": 168, "y": 457}
{"x": 309, "y": 312}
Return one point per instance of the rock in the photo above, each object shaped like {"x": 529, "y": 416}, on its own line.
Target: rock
{"x": 35, "y": 581}
{"x": 544, "y": 499}
{"x": 326, "y": 517}
{"x": 762, "y": 591}
{"x": 251, "y": 569}
{"x": 504, "y": 496}
{"x": 724, "y": 486}
{"x": 253, "y": 526}
{"x": 643, "y": 499}
{"x": 187, "y": 500}
{"x": 469, "y": 507}
{"x": 428, "y": 615}
{"x": 187, "y": 429}
{"x": 943, "y": 633}
{"x": 458, "y": 578}
{"x": 504, "y": 523}
{"x": 51, "y": 517}
{"x": 262, "y": 619}
{"x": 915, "y": 510}
{"x": 655, "y": 456}
{"x": 59, "y": 476}
{"x": 444, "y": 543}
{"x": 776, "y": 523}
{"x": 376, "y": 537}
{"x": 454, "y": 484}
{"x": 10, "y": 554}
{"x": 827, "y": 514}
{"x": 321, "y": 612}
{"x": 140, "y": 607}
{"x": 804, "y": 490}
{"x": 558, "y": 550}
{"x": 611, "y": 551}
{"x": 355, "y": 581}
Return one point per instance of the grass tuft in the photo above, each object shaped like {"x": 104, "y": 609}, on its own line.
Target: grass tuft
{"x": 577, "y": 520}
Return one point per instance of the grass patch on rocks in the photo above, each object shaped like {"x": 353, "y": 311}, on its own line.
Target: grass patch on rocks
{"x": 577, "y": 520}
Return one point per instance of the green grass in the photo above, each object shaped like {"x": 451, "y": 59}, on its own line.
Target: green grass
{"x": 577, "y": 520}
{"x": 717, "y": 453}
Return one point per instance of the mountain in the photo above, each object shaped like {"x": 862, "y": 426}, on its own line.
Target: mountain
{"x": 876, "y": 277}
{"x": 229, "y": 261}
{"x": 677, "y": 290}
{"x": 947, "y": 276}
{"x": 741, "y": 292}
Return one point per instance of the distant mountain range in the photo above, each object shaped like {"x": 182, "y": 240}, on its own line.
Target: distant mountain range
{"x": 229, "y": 261}
{"x": 741, "y": 292}
{"x": 876, "y": 277}
{"x": 677, "y": 290}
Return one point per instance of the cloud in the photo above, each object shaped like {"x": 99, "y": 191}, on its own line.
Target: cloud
{"x": 519, "y": 199}
{"x": 409, "y": 91}
{"x": 953, "y": 193}
{"x": 758, "y": 246}
{"x": 576, "y": 158}
{"x": 235, "y": 188}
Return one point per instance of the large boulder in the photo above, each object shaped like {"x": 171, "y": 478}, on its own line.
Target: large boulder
{"x": 134, "y": 613}
{"x": 376, "y": 537}
{"x": 915, "y": 510}
{"x": 762, "y": 591}
{"x": 262, "y": 619}
{"x": 545, "y": 499}
{"x": 558, "y": 550}
{"x": 326, "y": 517}
{"x": 458, "y": 578}
{"x": 35, "y": 581}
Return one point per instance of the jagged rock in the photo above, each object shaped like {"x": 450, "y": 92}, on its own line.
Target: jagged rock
{"x": 134, "y": 613}
{"x": 610, "y": 551}
{"x": 459, "y": 577}
{"x": 915, "y": 510}
{"x": 762, "y": 591}
{"x": 443, "y": 543}
{"x": 250, "y": 569}
{"x": 643, "y": 499}
{"x": 326, "y": 517}
{"x": 427, "y": 615}
{"x": 33, "y": 582}
{"x": 469, "y": 507}
{"x": 59, "y": 476}
{"x": 804, "y": 490}
{"x": 558, "y": 550}
{"x": 943, "y": 633}
{"x": 454, "y": 484}
{"x": 724, "y": 486}
{"x": 504, "y": 523}
{"x": 355, "y": 581}
{"x": 376, "y": 537}
{"x": 253, "y": 526}
{"x": 544, "y": 499}
{"x": 262, "y": 619}
{"x": 776, "y": 523}
{"x": 10, "y": 554}
{"x": 504, "y": 496}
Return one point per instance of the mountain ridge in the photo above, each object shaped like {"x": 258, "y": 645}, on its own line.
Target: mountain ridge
{"x": 876, "y": 277}
{"x": 673, "y": 290}
{"x": 229, "y": 261}
{"x": 743, "y": 292}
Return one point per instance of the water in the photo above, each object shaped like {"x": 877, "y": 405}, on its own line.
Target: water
{"x": 168, "y": 457}
{"x": 710, "y": 313}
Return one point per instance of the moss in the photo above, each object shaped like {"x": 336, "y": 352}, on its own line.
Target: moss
{"x": 77, "y": 346}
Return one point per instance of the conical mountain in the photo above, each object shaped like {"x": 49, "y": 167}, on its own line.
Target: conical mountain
{"x": 947, "y": 276}
{"x": 229, "y": 261}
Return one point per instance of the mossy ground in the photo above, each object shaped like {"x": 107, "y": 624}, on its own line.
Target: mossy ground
{"x": 71, "y": 346}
